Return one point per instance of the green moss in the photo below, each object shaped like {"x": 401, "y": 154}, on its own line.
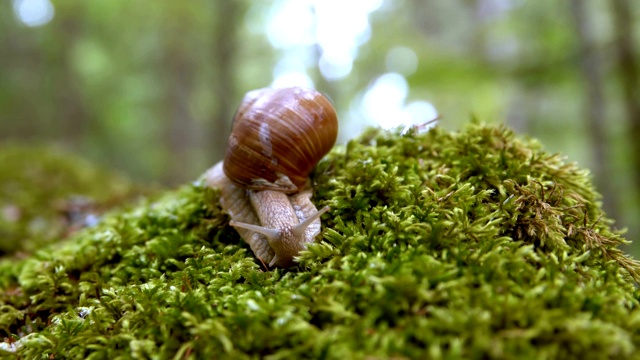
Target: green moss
{"x": 46, "y": 194}
{"x": 443, "y": 245}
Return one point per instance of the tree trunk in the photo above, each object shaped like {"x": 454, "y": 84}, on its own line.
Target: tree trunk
{"x": 224, "y": 86}
{"x": 72, "y": 119}
{"x": 627, "y": 63}
{"x": 590, "y": 68}
{"x": 180, "y": 122}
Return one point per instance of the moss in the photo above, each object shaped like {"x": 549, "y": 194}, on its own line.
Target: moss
{"x": 475, "y": 244}
{"x": 46, "y": 194}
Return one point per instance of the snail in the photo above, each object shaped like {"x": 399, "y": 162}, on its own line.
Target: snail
{"x": 278, "y": 136}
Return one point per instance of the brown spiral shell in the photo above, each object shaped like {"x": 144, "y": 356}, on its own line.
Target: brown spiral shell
{"x": 278, "y": 137}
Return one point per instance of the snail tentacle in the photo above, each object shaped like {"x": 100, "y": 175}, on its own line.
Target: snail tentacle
{"x": 271, "y": 234}
{"x": 301, "y": 228}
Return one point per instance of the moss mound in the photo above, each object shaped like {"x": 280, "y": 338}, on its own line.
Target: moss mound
{"x": 443, "y": 245}
{"x": 46, "y": 194}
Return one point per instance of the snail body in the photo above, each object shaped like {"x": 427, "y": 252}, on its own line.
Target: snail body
{"x": 278, "y": 137}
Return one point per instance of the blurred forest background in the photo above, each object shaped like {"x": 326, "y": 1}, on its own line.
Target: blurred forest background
{"x": 149, "y": 88}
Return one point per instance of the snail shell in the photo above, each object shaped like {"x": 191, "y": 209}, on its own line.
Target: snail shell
{"x": 278, "y": 137}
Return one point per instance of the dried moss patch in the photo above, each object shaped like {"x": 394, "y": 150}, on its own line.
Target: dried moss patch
{"x": 475, "y": 244}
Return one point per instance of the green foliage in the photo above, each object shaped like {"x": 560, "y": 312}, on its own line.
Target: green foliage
{"x": 45, "y": 193}
{"x": 442, "y": 245}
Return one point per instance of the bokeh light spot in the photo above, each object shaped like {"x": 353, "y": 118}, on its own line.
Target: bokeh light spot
{"x": 33, "y": 13}
{"x": 402, "y": 60}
